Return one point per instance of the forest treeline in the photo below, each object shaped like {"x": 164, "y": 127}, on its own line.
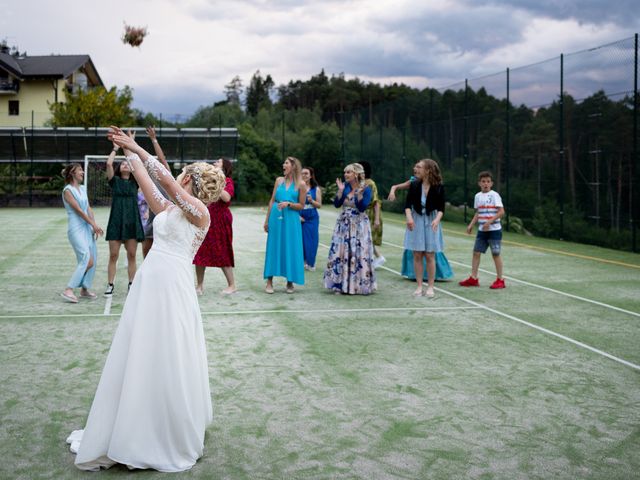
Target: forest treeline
{"x": 580, "y": 192}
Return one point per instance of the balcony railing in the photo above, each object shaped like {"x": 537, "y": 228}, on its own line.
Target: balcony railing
{"x": 7, "y": 86}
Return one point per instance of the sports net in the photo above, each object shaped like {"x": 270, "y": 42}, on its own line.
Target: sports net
{"x": 95, "y": 179}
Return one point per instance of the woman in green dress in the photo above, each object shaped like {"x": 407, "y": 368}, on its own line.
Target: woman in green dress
{"x": 374, "y": 212}
{"x": 124, "y": 225}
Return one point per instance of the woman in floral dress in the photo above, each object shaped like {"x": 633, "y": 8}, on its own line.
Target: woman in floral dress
{"x": 350, "y": 263}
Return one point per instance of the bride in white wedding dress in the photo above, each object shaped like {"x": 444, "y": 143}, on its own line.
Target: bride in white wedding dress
{"x": 153, "y": 402}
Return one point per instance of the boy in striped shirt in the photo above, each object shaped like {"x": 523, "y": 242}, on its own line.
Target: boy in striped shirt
{"x": 489, "y": 210}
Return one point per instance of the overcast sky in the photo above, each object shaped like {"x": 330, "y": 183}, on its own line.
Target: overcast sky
{"x": 195, "y": 47}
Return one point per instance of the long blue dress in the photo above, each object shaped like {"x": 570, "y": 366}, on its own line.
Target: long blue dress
{"x": 443, "y": 269}
{"x": 310, "y": 229}
{"x": 284, "y": 257}
{"x": 81, "y": 238}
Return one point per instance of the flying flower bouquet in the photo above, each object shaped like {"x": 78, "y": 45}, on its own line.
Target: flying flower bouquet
{"x": 134, "y": 35}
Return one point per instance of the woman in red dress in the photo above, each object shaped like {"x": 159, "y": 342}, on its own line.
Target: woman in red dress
{"x": 217, "y": 248}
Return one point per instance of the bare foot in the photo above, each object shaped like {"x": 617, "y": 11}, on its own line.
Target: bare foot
{"x": 199, "y": 290}
{"x": 229, "y": 290}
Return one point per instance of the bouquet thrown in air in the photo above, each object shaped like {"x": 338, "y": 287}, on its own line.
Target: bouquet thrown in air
{"x": 134, "y": 35}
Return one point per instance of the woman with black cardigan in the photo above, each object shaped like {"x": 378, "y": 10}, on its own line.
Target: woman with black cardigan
{"x": 424, "y": 208}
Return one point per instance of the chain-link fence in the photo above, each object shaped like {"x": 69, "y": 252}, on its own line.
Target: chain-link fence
{"x": 560, "y": 137}
{"x": 31, "y": 159}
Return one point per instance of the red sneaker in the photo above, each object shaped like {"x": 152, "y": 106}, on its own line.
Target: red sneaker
{"x": 470, "y": 282}
{"x": 499, "y": 283}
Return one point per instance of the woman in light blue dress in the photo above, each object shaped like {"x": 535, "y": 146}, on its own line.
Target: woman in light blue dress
{"x": 424, "y": 208}
{"x": 444, "y": 271}
{"x": 284, "y": 255}
{"x": 310, "y": 219}
{"x": 81, "y": 231}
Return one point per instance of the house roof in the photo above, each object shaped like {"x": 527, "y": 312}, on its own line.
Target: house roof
{"x": 49, "y": 66}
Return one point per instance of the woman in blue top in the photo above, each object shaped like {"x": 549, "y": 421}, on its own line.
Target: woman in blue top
{"x": 443, "y": 268}
{"x": 350, "y": 264}
{"x": 81, "y": 231}
{"x": 284, "y": 256}
{"x": 310, "y": 218}
{"x": 424, "y": 208}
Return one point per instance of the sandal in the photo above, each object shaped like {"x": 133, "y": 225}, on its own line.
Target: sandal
{"x": 290, "y": 288}
{"x": 84, "y": 293}
{"x": 71, "y": 298}
{"x": 268, "y": 289}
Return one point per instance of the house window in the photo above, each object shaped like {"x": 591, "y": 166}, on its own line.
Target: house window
{"x": 14, "y": 107}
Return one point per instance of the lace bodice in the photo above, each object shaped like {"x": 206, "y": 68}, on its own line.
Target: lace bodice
{"x": 174, "y": 234}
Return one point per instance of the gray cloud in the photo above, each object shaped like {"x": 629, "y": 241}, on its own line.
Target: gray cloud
{"x": 196, "y": 47}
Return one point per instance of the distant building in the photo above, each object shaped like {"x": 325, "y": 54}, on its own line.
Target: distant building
{"x": 30, "y": 83}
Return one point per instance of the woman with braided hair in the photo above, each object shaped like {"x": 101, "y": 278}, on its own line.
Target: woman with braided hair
{"x": 153, "y": 402}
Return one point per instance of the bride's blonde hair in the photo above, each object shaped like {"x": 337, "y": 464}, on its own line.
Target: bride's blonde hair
{"x": 207, "y": 181}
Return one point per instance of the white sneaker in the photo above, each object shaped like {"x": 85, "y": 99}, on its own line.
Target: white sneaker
{"x": 378, "y": 261}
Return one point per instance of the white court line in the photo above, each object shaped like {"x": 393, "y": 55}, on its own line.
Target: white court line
{"x": 535, "y": 285}
{"x": 541, "y": 287}
{"x": 107, "y": 306}
{"x": 534, "y": 326}
{"x": 528, "y": 324}
{"x": 251, "y": 312}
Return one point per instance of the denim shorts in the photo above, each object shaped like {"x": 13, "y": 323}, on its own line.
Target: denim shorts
{"x": 492, "y": 238}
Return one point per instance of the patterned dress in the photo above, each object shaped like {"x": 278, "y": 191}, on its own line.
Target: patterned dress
{"x": 217, "y": 248}
{"x": 124, "y": 217}
{"x": 349, "y": 266}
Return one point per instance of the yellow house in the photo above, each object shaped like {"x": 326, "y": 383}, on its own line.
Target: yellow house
{"x": 28, "y": 84}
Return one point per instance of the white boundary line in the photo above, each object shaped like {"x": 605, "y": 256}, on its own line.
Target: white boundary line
{"x": 541, "y": 287}
{"x": 253, "y": 312}
{"x": 524, "y": 322}
{"x": 107, "y": 305}
{"x": 534, "y": 326}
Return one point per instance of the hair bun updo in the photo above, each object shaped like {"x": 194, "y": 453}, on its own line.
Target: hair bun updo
{"x": 207, "y": 181}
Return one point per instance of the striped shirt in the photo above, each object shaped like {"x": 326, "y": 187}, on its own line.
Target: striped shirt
{"x": 487, "y": 205}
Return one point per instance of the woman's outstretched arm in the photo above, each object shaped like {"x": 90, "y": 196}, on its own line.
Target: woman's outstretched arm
{"x": 146, "y": 166}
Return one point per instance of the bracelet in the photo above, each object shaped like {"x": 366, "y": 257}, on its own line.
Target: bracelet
{"x": 154, "y": 140}
{"x": 115, "y": 149}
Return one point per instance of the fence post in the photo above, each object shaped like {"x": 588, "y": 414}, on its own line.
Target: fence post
{"x": 362, "y": 134}
{"x": 561, "y": 140}
{"x": 636, "y": 168}
{"x": 342, "y": 139}
{"x": 507, "y": 151}
{"x": 31, "y": 162}
{"x": 14, "y": 168}
{"x": 283, "y": 154}
{"x": 465, "y": 154}
{"x": 431, "y": 123}
{"x": 404, "y": 150}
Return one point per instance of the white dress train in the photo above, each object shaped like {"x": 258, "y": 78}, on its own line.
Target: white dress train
{"x": 153, "y": 402}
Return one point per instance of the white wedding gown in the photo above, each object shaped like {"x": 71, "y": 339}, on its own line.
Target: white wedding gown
{"x": 153, "y": 403}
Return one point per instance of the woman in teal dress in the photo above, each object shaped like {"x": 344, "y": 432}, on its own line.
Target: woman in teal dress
{"x": 81, "y": 231}
{"x": 125, "y": 225}
{"x": 444, "y": 271}
{"x": 284, "y": 256}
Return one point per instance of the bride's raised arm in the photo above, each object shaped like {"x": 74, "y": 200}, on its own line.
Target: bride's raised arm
{"x": 145, "y": 165}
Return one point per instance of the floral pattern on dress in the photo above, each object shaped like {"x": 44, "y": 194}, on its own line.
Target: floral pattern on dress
{"x": 349, "y": 266}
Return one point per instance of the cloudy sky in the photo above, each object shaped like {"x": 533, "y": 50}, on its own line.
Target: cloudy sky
{"x": 195, "y": 47}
